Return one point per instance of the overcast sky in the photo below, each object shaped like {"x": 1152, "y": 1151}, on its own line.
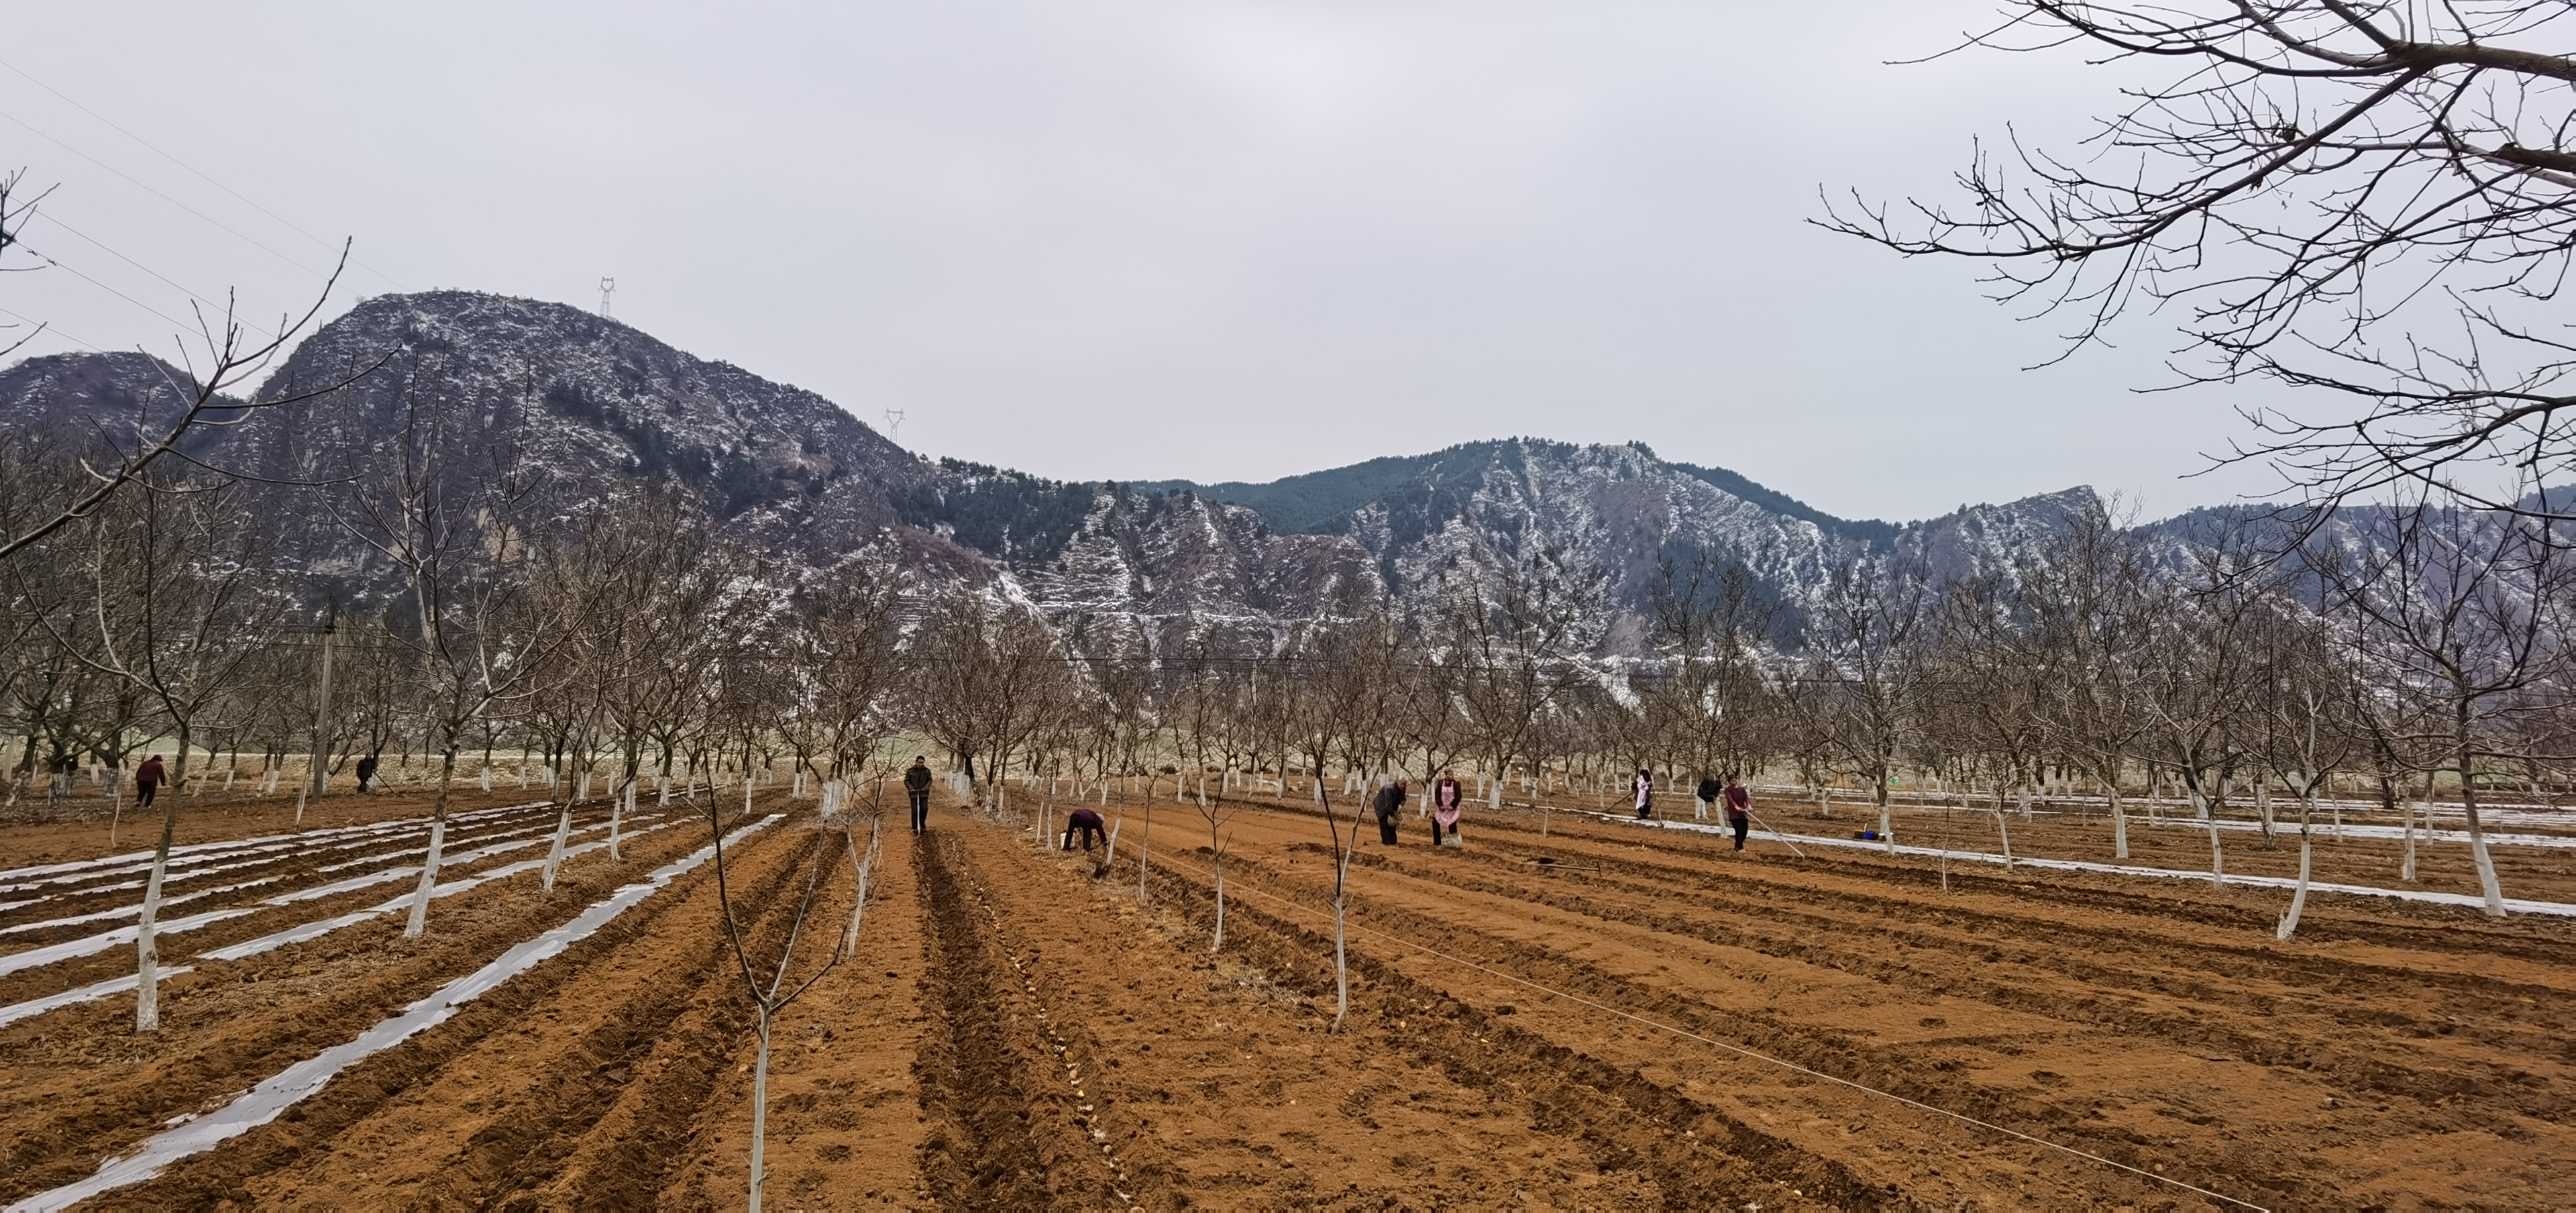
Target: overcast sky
{"x": 1137, "y": 240}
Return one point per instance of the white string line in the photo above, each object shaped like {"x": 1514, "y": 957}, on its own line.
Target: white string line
{"x": 1790, "y": 1065}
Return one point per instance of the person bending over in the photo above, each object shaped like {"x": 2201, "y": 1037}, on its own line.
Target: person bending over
{"x": 1088, "y": 823}
{"x": 1390, "y": 801}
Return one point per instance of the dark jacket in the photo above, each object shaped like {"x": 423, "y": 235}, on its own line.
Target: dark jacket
{"x": 150, "y": 774}
{"x": 1389, "y": 799}
{"x": 1709, "y": 789}
{"x": 917, "y": 779}
{"x": 1737, "y": 802}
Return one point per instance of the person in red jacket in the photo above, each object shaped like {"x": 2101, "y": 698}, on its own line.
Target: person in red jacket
{"x": 148, "y": 778}
{"x": 1739, "y": 809}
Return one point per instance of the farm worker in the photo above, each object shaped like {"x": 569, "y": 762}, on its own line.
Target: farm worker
{"x": 1739, "y": 809}
{"x": 147, "y": 778}
{"x": 1390, "y": 799}
{"x": 366, "y": 772}
{"x": 1446, "y": 796}
{"x": 1086, "y": 821}
{"x": 916, "y": 784}
{"x": 1645, "y": 794}
{"x": 1708, "y": 794}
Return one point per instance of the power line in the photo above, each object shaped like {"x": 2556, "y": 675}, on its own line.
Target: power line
{"x": 155, "y": 150}
{"x": 227, "y": 228}
{"x": 102, "y": 247}
{"x": 105, "y": 287}
{"x": 49, "y": 327}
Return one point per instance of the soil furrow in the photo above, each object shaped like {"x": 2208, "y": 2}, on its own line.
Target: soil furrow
{"x": 997, "y": 1142}
{"x": 91, "y": 1087}
{"x": 1973, "y": 968}
{"x": 319, "y": 1123}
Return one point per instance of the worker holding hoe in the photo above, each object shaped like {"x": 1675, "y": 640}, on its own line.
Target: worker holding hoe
{"x": 916, "y": 786}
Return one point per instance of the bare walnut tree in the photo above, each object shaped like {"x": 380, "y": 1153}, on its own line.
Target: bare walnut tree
{"x": 2375, "y": 198}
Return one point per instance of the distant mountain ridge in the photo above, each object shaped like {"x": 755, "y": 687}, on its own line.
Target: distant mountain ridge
{"x": 1321, "y": 503}
{"x": 608, "y": 408}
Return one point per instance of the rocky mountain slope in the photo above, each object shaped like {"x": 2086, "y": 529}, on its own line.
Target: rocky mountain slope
{"x": 604, "y": 408}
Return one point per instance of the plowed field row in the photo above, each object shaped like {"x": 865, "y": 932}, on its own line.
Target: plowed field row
{"x": 1590, "y": 1017}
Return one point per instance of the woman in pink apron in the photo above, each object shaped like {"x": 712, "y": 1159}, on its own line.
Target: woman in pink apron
{"x": 1448, "y": 803}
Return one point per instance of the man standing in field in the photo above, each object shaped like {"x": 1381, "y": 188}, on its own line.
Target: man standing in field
{"x": 148, "y": 778}
{"x": 1739, "y": 809}
{"x": 916, "y": 785}
{"x": 1708, "y": 795}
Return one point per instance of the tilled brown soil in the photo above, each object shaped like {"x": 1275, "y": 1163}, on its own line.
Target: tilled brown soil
{"x": 1646, "y": 1020}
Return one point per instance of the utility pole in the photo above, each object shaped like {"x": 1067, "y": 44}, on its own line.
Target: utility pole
{"x": 322, "y": 703}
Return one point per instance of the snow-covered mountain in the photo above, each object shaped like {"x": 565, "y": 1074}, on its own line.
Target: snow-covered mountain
{"x": 605, "y": 407}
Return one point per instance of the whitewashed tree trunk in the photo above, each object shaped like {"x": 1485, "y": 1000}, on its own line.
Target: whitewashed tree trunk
{"x": 2004, "y": 836}
{"x": 2119, "y": 827}
{"x": 300, "y": 794}
{"x": 2299, "y": 894}
{"x": 147, "y": 944}
{"x": 2488, "y": 887}
{"x": 759, "y": 1112}
{"x": 2406, "y": 869}
{"x": 554, "y": 854}
{"x": 617, "y": 812}
{"x": 419, "y": 921}
{"x": 2217, "y": 856}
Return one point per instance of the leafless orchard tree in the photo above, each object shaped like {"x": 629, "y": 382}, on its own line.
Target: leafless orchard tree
{"x": 456, "y": 517}
{"x": 2375, "y": 199}
{"x": 2461, "y": 609}
{"x": 180, "y": 593}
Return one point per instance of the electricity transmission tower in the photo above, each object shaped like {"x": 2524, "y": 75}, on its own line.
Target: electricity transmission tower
{"x": 894, "y": 423}
{"x": 607, "y": 287}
